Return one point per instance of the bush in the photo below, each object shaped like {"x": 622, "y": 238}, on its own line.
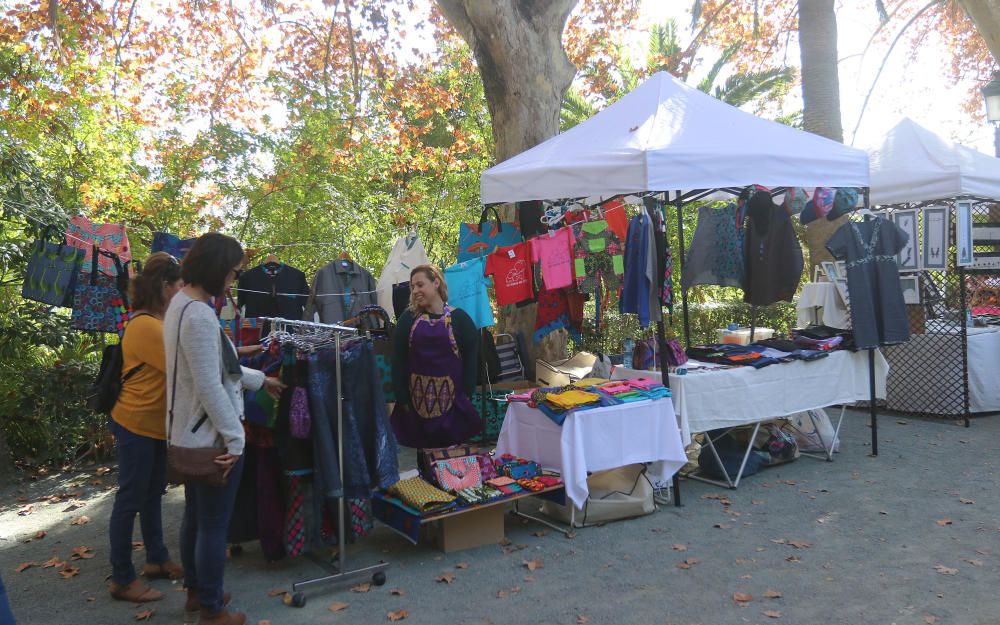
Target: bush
{"x": 45, "y": 418}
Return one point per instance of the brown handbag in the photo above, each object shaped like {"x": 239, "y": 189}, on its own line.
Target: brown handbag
{"x": 191, "y": 465}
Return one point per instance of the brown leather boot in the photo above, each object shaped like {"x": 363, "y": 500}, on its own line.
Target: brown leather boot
{"x": 222, "y": 617}
{"x": 135, "y": 591}
{"x": 192, "y": 606}
{"x": 164, "y": 570}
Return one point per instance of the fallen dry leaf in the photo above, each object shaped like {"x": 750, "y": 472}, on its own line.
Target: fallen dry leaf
{"x": 533, "y": 565}
{"x": 943, "y": 522}
{"x": 967, "y": 502}
{"x": 82, "y": 553}
{"x": 883, "y": 512}
{"x": 445, "y": 578}
{"x": 397, "y": 592}
{"x": 69, "y": 571}
{"x": 756, "y": 502}
{"x": 930, "y": 619}
{"x": 742, "y": 597}
{"x": 540, "y": 533}
{"x": 529, "y": 578}
{"x": 778, "y": 541}
{"x": 944, "y": 570}
{"x": 274, "y": 592}
{"x": 53, "y": 561}
{"x": 687, "y": 563}
{"x": 722, "y": 526}
{"x": 771, "y": 594}
{"x": 264, "y": 622}
{"x": 501, "y": 594}
{"x": 103, "y": 470}
{"x": 40, "y": 534}
{"x": 25, "y": 510}
{"x": 901, "y": 422}
{"x": 515, "y": 590}
{"x": 772, "y": 613}
{"x": 398, "y": 615}
{"x": 793, "y": 559}
{"x": 800, "y": 544}
{"x": 24, "y": 566}
{"x": 973, "y": 562}
{"x": 505, "y": 541}
{"x": 582, "y": 618}
{"x": 145, "y": 615}
{"x": 679, "y": 547}
{"x": 362, "y": 587}
{"x": 138, "y": 545}
{"x": 337, "y": 606}
{"x": 461, "y": 565}
{"x": 80, "y": 520}
{"x": 73, "y": 506}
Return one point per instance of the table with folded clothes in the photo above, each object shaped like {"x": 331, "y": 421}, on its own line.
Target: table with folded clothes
{"x": 729, "y": 385}
{"x": 592, "y": 425}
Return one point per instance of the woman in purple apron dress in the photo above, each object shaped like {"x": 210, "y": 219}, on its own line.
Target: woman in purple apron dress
{"x": 435, "y": 361}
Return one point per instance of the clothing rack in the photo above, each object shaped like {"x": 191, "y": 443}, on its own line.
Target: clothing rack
{"x": 310, "y": 331}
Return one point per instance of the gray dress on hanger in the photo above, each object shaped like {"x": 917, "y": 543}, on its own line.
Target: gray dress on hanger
{"x": 716, "y": 254}
{"x": 878, "y": 313}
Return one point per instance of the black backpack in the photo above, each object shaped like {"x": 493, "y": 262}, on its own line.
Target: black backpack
{"x": 107, "y": 387}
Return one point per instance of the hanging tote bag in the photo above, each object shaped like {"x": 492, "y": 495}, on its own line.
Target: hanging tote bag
{"x": 99, "y": 301}
{"x": 475, "y": 240}
{"x": 50, "y": 277}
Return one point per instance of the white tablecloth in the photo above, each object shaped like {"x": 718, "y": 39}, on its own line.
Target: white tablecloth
{"x": 595, "y": 440}
{"x": 945, "y": 379}
{"x": 820, "y": 302}
{"x": 706, "y": 400}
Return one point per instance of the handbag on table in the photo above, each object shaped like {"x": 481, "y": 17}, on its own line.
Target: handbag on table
{"x": 455, "y": 474}
{"x": 191, "y": 465}
{"x": 52, "y": 271}
{"x": 475, "y": 240}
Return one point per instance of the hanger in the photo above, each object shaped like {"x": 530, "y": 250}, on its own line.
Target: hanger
{"x": 271, "y": 259}
{"x": 345, "y": 255}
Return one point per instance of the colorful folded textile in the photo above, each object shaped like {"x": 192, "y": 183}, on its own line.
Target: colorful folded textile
{"x": 420, "y": 495}
{"x": 568, "y": 400}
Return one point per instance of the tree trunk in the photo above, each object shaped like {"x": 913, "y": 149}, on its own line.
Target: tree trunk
{"x": 985, "y": 14}
{"x": 821, "y": 100}
{"x": 525, "y": 73}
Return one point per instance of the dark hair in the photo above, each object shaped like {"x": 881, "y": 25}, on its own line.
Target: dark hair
{"x": 146, "y": 288}
{"x": 209, "y": 261}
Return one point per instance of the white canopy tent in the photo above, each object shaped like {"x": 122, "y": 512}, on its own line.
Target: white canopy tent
{"x": 666, "y": 136}
{"x": 912, "y": 164}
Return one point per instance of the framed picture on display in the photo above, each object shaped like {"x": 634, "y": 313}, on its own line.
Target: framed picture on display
{"x": 841, "y": 269}
{"x": 841, "y": 286}
{"x": 830, "y": 269}
{"x": 819, "y": 275}
{"x": 963, "y": 227}
{"x": 911, "y": 288}
{"x": 935, "y": 243}
{"x": 907, "y": 259}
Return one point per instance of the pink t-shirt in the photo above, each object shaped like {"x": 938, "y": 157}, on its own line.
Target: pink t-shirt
{"x": 554, "y": 251}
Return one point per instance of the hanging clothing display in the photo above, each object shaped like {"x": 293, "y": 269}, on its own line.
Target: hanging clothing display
{"x": 408, "y": 252}
{"x": 529, "y": 218}
{"x": 510, "y": 267}
{"x": 112, "y": 238}
{"x": 614, "y": 214}
{"x": 171, "y": 244}
{"x": 773, "y": 254}
{"x": 597, "y": 257}
{"x": 340, "y": 290}
{"x": 272, "y": 290}
{"x": 559, "y": 309}
{"x": 662, "y": 281}
{"x": 467, "y": 290}
{"x": 716, "y": 255}
{"x": 878, "y": 312}
{"x": 435, "y": 360}
{"x": 554, "y": 253}
{"x": 639, "y": 271}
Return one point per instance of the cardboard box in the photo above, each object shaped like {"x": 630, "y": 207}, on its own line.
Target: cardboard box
{"x": 468, "y": 529}
{"x": 563, "y": 372}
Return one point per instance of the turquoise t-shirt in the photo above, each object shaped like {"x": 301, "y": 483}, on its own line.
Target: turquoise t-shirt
{"x": 467, "y": 290}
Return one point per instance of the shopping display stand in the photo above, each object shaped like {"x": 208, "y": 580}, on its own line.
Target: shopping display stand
{"x": 338, "y": 570}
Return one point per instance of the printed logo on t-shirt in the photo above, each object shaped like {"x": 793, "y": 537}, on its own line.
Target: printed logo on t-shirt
{"x": 518, "y": 274}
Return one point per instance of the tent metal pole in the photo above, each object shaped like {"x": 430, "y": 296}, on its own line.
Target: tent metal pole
{"x": 872, "y": 408}
{"x": 679, "y": 203}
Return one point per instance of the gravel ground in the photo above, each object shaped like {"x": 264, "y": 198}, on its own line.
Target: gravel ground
{"x": 909, "y": 537}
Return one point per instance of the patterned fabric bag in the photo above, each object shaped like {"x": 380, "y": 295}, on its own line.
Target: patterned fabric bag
{"x": 99, "y": 303}
{"x": 475, "y": 240}
{"x": 675, "y": 355}
{"x": 111, "y": 238}
{"x": 454, "y": 474}
{"x": 52, "y": 271}
{"x": 171, "y": 244}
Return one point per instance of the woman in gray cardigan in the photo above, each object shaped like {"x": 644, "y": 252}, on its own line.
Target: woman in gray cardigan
{"x": 205, "y": 396}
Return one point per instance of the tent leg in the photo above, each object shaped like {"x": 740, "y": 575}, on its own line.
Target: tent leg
{"x": 872, "y": 408}
{"x": 679, "y": 204}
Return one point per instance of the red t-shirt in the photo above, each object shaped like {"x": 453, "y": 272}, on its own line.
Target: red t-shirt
{"x": 511, "y": 270}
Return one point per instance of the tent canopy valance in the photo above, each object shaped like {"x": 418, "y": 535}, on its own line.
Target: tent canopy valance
{"x": 665, "y": 136}
{"x": 912, "y": 164}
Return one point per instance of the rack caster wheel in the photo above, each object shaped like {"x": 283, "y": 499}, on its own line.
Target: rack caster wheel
{"x": 378, "y": 578}
{"x": 299, "y": 600}
{"x": 235, "y": 550}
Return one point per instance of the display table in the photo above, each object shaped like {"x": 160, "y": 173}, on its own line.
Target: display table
{"x": 937, "y": 386}
{"x": 595, "y": 440}
{"x": 724, "y": 398}
{"x": 820, "y": 302}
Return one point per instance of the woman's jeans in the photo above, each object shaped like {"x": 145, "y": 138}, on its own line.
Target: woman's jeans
{"x": 142, "y": 480}
{"x": 207, "y": 510}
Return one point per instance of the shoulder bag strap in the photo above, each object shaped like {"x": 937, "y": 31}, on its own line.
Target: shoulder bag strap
{"x": 134, "y": 370}
{"x": 173, "y": 389}
{"x": 484, "y": 217}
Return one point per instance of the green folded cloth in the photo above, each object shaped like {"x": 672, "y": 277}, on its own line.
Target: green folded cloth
{"x": 420, "y": 495}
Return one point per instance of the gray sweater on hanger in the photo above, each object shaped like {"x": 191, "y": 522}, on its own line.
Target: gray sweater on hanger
{"x": 329, "y": 287}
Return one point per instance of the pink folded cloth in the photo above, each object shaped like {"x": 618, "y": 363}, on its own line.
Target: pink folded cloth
{"x": 614, "y": 389}
{"x": 644, "y": 384}
{"x": 524, "y": 396}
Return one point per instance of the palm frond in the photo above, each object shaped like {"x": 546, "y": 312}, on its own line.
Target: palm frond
{"x": 767, "y": 84}
{"x": 706, "y": 84}
{"x": 575, "y": 109}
